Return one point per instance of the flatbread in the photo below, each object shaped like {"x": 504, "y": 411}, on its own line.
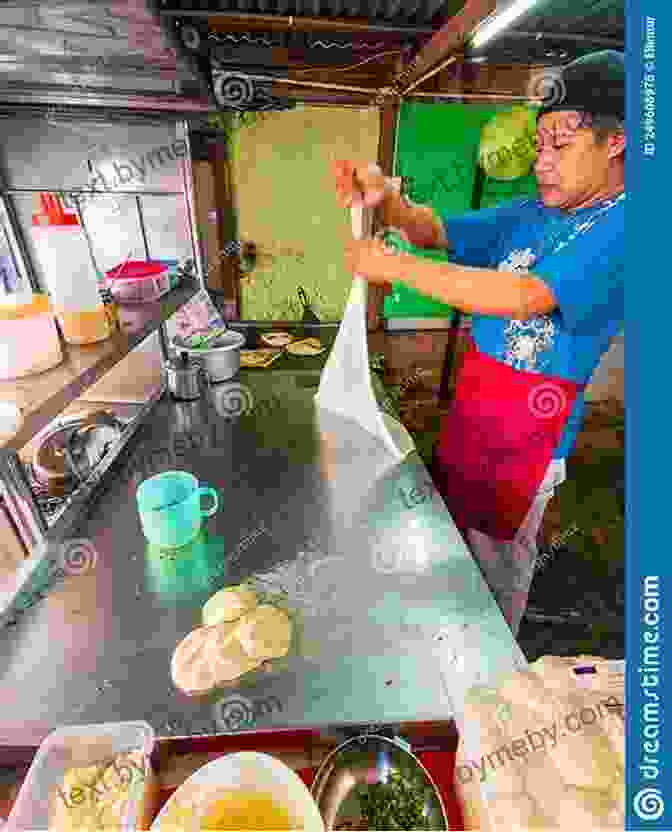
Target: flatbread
{"x": 309, "y": 346}
{"x": 258, "y": 358}
{"x": 228, "y": 604}
{"x": 208, "y": 657}
{"x": 265, "y": 633}
{"x": 277, "y": 339}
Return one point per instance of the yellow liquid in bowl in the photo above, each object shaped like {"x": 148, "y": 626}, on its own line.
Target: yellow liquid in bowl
{"x": 241, "y": 810}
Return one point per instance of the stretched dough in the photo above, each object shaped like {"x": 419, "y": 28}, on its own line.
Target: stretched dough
{"x": 229, "y": 604}
{"x": 265, "y": 633}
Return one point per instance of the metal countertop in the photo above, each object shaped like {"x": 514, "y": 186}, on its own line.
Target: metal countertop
{"x": 392, "y": 616}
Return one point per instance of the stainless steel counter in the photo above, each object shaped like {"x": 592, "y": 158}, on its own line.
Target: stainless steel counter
{"x": 391, "y": 614}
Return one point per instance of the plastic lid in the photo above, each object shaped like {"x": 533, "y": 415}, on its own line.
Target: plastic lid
{"x": 134, "y": 269}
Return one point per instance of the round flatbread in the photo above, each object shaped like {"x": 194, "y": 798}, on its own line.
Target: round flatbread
{"x": 209, "y": 657}
{"x": 277, "y": 339}
{"x": 189, "y": 667}
{"x": 228, "y": 604}
{"x": 230, "y": 661}
{"x": 265, "y": 633}
{"x": 258, "y": 358}
{"x": 309, "y": 346}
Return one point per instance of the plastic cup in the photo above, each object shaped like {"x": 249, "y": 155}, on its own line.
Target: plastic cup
{"x": 170, "y": 508}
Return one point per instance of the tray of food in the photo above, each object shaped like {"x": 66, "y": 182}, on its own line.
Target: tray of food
{"x": 91, "y": 777}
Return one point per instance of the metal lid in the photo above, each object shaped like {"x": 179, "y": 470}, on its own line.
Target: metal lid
{"x": 184, "y": 363}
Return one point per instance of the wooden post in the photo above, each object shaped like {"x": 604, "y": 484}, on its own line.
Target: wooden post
{"x": 389, "y": 112}
{"x": 229, "y": 272}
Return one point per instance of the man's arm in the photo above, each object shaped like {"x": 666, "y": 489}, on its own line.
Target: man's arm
{"x": 501, "y": 294}
{"x": 419, "y": 222}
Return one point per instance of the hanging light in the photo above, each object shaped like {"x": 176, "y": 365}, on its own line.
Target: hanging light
{"x": 499, "y": 21}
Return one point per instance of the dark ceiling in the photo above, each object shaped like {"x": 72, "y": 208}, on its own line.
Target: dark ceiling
{"x": 105, "y": 53}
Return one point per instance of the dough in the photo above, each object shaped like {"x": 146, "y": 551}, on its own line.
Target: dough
{"x": 526, "y": 689}
{"x": 229, "y": 661}
{"x": 277, "y": 339}
{"x": 208, "y": 657}
{"x": 587, "y": 809}
{"x": 228, "y": 604}
{"x": 584, "y": 762}
{"x": 266, "y": 633}
{"x": 511, "y": 814}
{"x": 96, "y": 797}
{"x": 309, "y": 346}
{"x": 544, "y": 784}
{"x": 190, "y": 668}
{"x": 258, "y": 358}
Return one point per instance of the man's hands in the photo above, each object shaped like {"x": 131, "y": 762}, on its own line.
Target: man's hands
{"x": 373, "y": 260}
{"x": 354, "y": 183}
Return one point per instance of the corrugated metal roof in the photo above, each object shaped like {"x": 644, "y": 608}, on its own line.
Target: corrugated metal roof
{"x": 87, "y": 46}
{"x": 403, "y": 12}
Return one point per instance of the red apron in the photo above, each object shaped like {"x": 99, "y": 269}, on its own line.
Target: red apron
{"x": 497, "y": 441}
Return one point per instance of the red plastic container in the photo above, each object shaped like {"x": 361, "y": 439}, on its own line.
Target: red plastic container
{"x": 138, "y": 281}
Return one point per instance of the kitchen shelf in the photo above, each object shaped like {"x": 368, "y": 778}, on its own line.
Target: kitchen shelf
{"x": 43, "y": 397}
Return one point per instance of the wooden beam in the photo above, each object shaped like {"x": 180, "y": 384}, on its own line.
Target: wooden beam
{"x": 227, "y": 227}
{"x": 389, "y": 112}
{"x": 226, "y": 21}
{"x": 448, "y": 40}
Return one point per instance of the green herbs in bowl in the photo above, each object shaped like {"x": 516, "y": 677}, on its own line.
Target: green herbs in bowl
{"x": 398, "y": 804}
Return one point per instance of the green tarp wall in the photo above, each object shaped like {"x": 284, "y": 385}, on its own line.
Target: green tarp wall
{"x": 437, "y": 149}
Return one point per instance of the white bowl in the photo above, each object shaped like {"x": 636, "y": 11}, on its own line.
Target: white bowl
{"x": 250, "y": 771}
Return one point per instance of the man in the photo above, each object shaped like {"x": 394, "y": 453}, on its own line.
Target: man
{"x": 543, "y": 280}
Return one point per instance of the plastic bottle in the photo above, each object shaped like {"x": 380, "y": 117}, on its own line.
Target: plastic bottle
{"x": 71, "y": 279}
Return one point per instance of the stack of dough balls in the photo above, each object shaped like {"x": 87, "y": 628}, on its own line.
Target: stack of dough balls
{"x": 238, "y": 635}
{"x": 576, "y": 784}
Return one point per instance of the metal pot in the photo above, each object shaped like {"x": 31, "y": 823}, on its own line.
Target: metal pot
{"x": 185, "y": 377}
{"x": 223, "y": 361}
{"x": 72, "y": 449}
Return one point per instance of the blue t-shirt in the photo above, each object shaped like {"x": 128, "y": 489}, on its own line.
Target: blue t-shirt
{"x": 586, "y": 277}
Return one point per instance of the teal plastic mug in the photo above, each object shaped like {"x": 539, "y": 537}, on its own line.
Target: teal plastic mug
{"x": 170, "y": 508}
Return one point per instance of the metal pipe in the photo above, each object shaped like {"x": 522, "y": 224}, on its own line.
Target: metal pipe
{"x": 477, "y": 96}
{"x": 163, "y": 342}
{"x": 143, "y": 230}
{"x": 313, "y": 84}
{"x": 607, "y": 43}
{"x": 12, "y": 191}
{"x": 189, "y": 196}
{"x": 20, "y": 500}
{"x": 301, "y": 23}
{"x": 87, "y": 237}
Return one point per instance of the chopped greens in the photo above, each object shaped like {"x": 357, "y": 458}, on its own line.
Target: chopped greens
{"x": 397, "y": 804}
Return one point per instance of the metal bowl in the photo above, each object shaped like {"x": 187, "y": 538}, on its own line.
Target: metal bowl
{"x": 367, "y": 760}
{"x": 221, "y": 361}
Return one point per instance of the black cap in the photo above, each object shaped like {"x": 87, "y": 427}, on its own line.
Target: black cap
{"x": 592, "y": 84}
